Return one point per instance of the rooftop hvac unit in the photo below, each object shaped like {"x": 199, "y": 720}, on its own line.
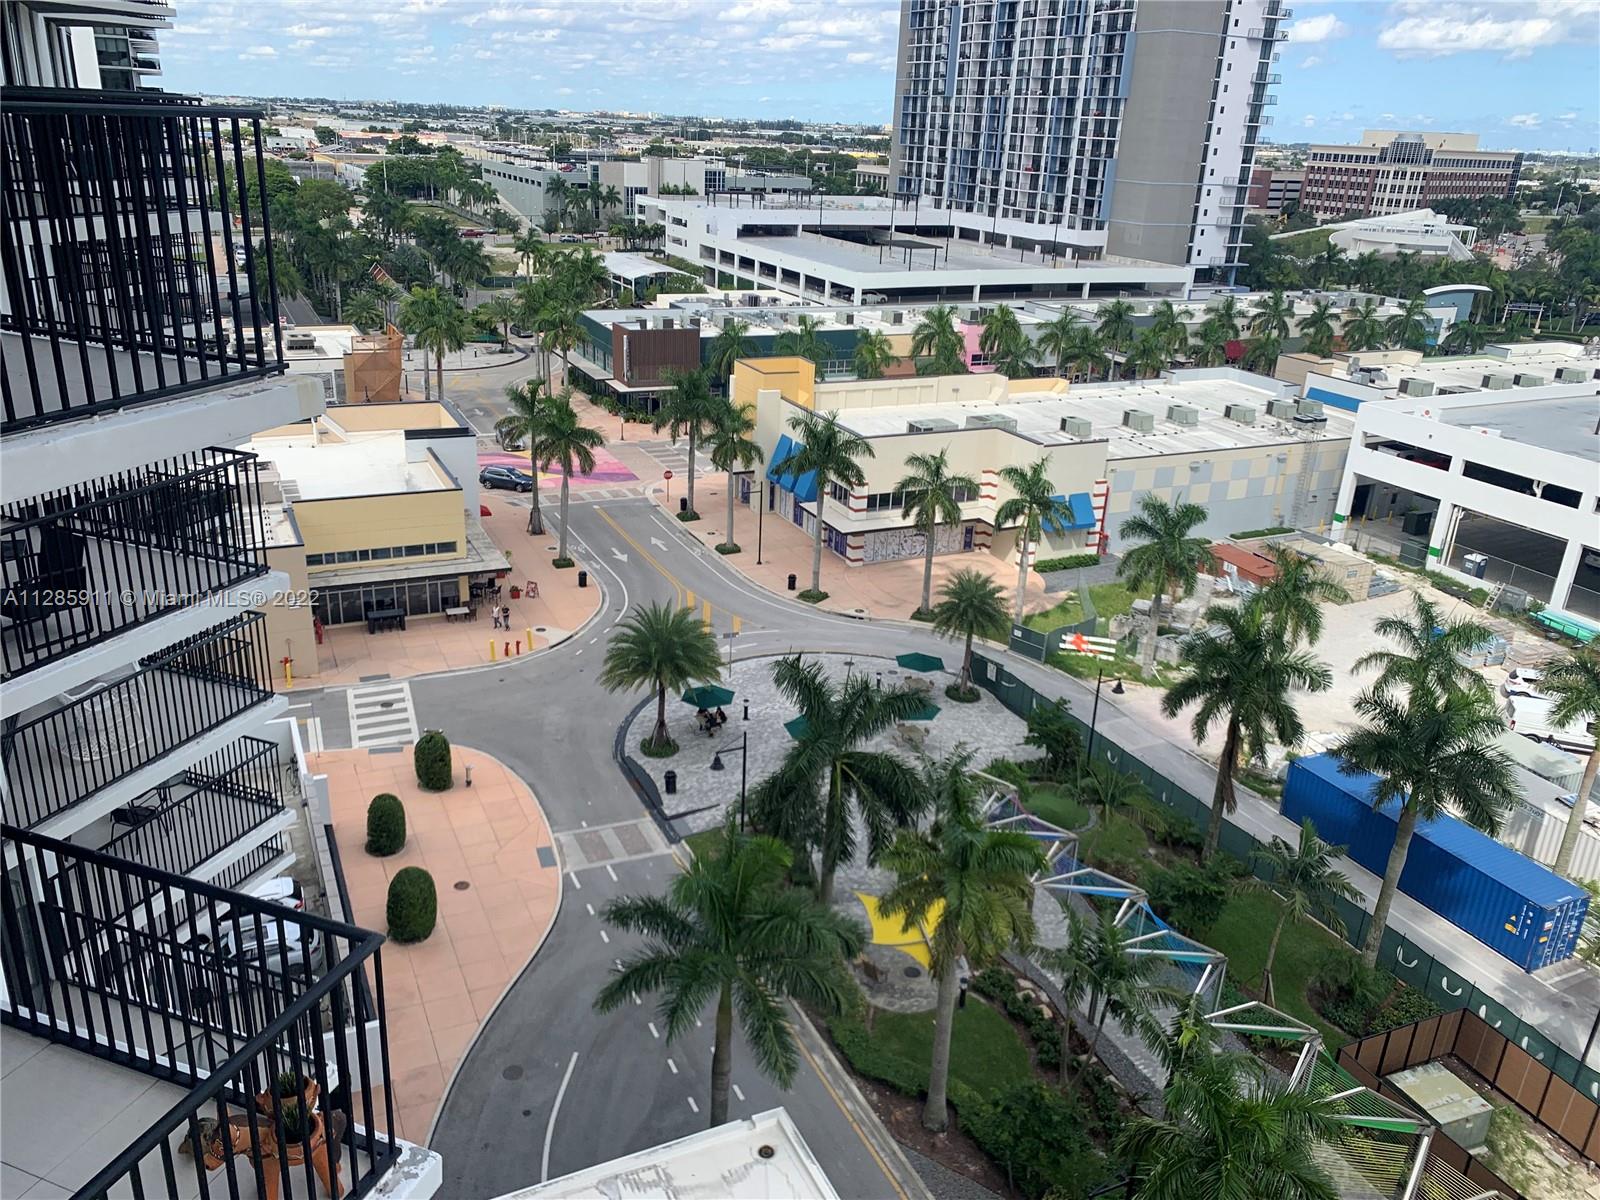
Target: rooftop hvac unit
{"x": 992, "y": 421}
{"x": 897, "y": 317}
{"x": 1410, "y": 386}
{"x": 1284, "y": 410}
{"x": 932, "y": 425}
{"x": 1495, "y": 383}
{"x": 1138, "y": 420}
{"x": 1524, "y": 379}
{"x": 1183, "y": 414}
{"x": 847, "y": 318}
{"x": 1245, "y": 414}
{"x": 1078, "y": 427}
{"x": 1310, "y": 410}
{"x": 1571, "y": 375}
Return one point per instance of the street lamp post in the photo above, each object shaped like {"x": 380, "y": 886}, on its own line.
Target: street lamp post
{"x": 761, "y": 512}
{"x": 744, "y": 769}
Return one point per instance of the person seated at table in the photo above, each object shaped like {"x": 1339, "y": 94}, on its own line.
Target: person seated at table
{"x": 721, "y": 717}
{"x": 701, "y": 717}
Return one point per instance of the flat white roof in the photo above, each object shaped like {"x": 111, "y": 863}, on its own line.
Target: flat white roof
{"x": 373, "y": 465}
{"x": 758, "y": 1158}
{"x": 1038, "y": 417}
{"x": 634, "y": 266}
{"x": 1565, "y": 426}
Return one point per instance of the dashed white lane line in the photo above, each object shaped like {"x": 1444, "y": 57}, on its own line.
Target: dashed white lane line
{"x": 738, "y": 1093}
{"x": 655, "y": 1033}
{"x": 692, "y": 1105}
{"x": 611, "y": 873}
{"x": 673, "y": 1066}
{"x": 580, "y": 652}
{"x": 590, "y": 907}
{"x": 573, "y": 875}
{"x": 605, "y": 937}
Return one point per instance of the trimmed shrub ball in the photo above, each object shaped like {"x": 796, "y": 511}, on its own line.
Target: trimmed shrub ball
{"x": 413, "y": 905}
{"x": 432, "y": 760}
{"x": 386, "y": 825}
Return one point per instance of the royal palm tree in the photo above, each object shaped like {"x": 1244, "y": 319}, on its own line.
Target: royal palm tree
{"x": 1005, "y": 345}
{"x": 1210, "y": 345}
{"x": 974, "y": 885}
{"x": 608, "y": 197}
{"x": 1262, "y": 354}
{"x": 1296, "y": 593}
{"x": 532, "y": 250}
{"x": 1167, "y": 325}
{"x": 527, "y": 421}
{"x": 1272, "y": 317}
{"x": 1226, "y": 314}
{"x": 728, "y": 930}
{"x": 1408, "y": 328}
{"x": 1169, "y": 556}
{"x": 561, "y": 332}
{"x": 730, "y": 345}
{"x": 834, "y": 452}
{"x": 805, "y": 341}
{"x": 730, "y": 448}
{"x": 689, "y": 408}
{"x": 502, "y": 310}
{"x": 970, "y": 605}
{"x": 1574, "y": 684}
{"x": 1240, "y": 669}
{"x": 1149, "y": 356}
{"x": 665, "y": 648}
{"x": 932, "y": 497}
{"x": 363, "y": 311}
{"x": 438, "y": 324}
{"x": 1432, "y": 751}
{"x": 1306, "y": 882}
{"x": 1363, "y": 327}
{"x": 1087, "y": 354}
{"x": 1330, "y": 262}
{"x": 829, "y": 779}
{"x": 570, "y": 444}
{"x": 874, "y": 355}
{"x": 1232, "y": 1130}
{"x": 1035, "y": 505}
{"x": 937, "y": 344}
{"x": 1116, "y": 323}
{"x": 556, "y": 195}
{"x": 1430, "y": 651}
{"x": 1466, "y": 337}
{"x": 1367, "y": 269}
{"x": 1317, "y": 329}
{"x": 1058, "y": 338}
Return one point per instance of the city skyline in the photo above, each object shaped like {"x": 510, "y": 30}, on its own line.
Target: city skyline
{"x": 834, "y": 61}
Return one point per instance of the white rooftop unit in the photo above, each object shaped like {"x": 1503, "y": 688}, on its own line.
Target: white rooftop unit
{"x": 1138, "y": 420}
{"x": 1310, "y": 410}
{"x": 1244, "y": 414}
{"x": 991, "y": 421}
{"x": 1078, "y": 427}
{"x": 1527, "y": 379}
{"x": 1411, "y": 386}
{"x": 932, "y": 425}
{"x": 1183, "y": 414}
{"x": 1496, "y": 383}
{"x": 1284, "y": 410}
{"x": 1572, "y": 375}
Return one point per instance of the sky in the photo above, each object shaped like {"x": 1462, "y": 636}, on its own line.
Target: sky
{"x": 1523, "y": 74}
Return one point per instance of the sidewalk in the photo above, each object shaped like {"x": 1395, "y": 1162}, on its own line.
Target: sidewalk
{"x": 887, "y": 589}
{"x": 499, "y": 888}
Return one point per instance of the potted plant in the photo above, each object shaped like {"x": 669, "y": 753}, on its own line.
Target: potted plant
{"x": 293, "y": 1090}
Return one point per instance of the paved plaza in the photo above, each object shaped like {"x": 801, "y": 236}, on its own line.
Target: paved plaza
{"x": 703, "y": 795}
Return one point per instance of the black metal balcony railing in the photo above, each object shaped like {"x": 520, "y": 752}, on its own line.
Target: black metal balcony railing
{"x": 85, "y": 563}
{"x": 130, "y": 251}
{"x": 214, "y": 991}
{"x": 213, "y": 805}
{"x": 62, "y": 757}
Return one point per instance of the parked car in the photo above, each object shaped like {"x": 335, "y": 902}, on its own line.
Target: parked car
{"x": 1524, "y": 681}
{"x": 508, "y": 478}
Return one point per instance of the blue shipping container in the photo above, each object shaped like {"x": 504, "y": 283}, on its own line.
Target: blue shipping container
{"x": 1509, "y": 903}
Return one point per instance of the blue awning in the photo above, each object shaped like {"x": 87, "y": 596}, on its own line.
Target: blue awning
{"x": 1082, "y": 514}
{"x": 785, "y": 449}
{"x": 804, "y": 488}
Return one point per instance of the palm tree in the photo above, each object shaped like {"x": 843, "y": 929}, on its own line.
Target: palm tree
{"x": 1240, "y": 670}
{"x": 502, "y": 310}
{"x": 1430, "y": 653}
{"x": 1102, "y": 976}
{"x": 729, "y": 929}
{"x": 1118, "y": 794}
{"x": 730, "y": 345}
{"x": 1149, "y": 355}
{"x": 1363, "y": 327}
{"x": 1005, "y": 345}
{"x": 1169, "y": 556}
{"x": 532, "y": 250}
{"x": 874, "y": 355}
{"x": 1329, "y": 261}
{"x": 607, "y": 197}
{"x": 1116, "y": 323}
{"x": 1306, "y": 882}
{"x": 570, "y": 444}
{"x": 1210, "y": 345}
{"x": 1262, "y": 354}
{"x": 730, "y": 447}
{"x": 1296, "y": 594}
{"x": 805, "y": 341}
{"x": 828, "y": 772}
{"x": 1058, "y": 338}
{"x": 1432, "y": 751}
{"x": 832, "y": 451}
{"x": 1466, "y": 337}
{"x": 970, "y": 604}
{"x": 527, "y": 422}
{"x": 1272, "y": 317}
{"x": 1574, "y": 684}
{"x": 1367, "y": 269}
{"x": 1087, "y": 354}
{"x": 665, "y": 648}
{"x": 561, "y": 332}
{"x": 1226, "y": 315}
{"x": 974, "y": 884}
{"x": 688, "y": 408}
{"x": 437, "y": 323}
{"x": 938, "y": 343}
{"x": 1167, "y": 325}
{"x": 1408, "y": 328}
{"x": 933, "y": 497}
{"x": 1233, "y": 1130}
{"x": 1035, "y": 504}
{"x": 1317, "y": 329}
{"x": 555, "y": 197}
{"x": 363, "y": 311}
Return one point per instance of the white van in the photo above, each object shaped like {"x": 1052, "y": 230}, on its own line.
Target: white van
{"x": 1530, "y": 716}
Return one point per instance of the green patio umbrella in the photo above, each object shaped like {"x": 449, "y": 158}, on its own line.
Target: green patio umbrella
{"x": 920, "y": 662}
{"x": 797, "y": 727}
{"x": 708, "y": 696}
{"x": 927, "y": 712}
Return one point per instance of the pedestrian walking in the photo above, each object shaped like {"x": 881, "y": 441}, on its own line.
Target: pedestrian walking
{"x": 498, "y": 624}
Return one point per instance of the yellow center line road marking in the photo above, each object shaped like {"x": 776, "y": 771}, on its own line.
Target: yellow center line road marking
{"x": 646, "y": 555}
{"x": 848, "y": 1116}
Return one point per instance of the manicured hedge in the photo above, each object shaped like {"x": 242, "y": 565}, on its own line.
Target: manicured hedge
{"x": 432, "y": 761}
{"x": 413, "y": 906}
{"x": 1068, "y": 562}
{"x": 386, "y": 825}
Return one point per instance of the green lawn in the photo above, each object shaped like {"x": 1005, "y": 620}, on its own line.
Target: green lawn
{"x": 1242, "y": 933}
{"x": 455, "y": 218}
{"x": 1053, "y": 804}
{"x": 1117, "y": 845}
{"x": 703, "y": 842}
{"x": 1110, "y": 600}
{"x": 986, "y": 1052}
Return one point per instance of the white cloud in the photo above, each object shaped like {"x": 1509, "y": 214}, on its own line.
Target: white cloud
{"x": 1309, "y": 61}
{"x": 1524, "y": 120}
{"x": 1308, "y": 121}
{"x": 1512, "y": 28}
{"x": 1322, "y": 28}
{"x": 259, "y": 52}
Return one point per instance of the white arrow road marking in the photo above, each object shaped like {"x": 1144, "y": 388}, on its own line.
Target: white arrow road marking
{"x": 618, "y": 555}
{"x": 658, "y": 543}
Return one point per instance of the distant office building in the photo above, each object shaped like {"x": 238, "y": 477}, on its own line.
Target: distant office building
{"x": 1097, "y": 122}
{"x": 873, "y": 176}
{"x": 1275, "y": 191}
{"x": 1392, "y": 172}
{"x": 702, "y": 175}
{"x": 103, "y": 44}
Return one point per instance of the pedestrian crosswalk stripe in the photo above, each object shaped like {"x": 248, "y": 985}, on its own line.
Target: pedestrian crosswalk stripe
{"x": 382, "y": 715}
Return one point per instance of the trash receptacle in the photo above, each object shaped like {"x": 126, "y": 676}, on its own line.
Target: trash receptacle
{"x": 683, "y": 504}
{"x": 583, "y": 579}
{"x": 1475, "y": 565}
{"x": 671, "y": 781}
{"x": 791, "y": 582}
